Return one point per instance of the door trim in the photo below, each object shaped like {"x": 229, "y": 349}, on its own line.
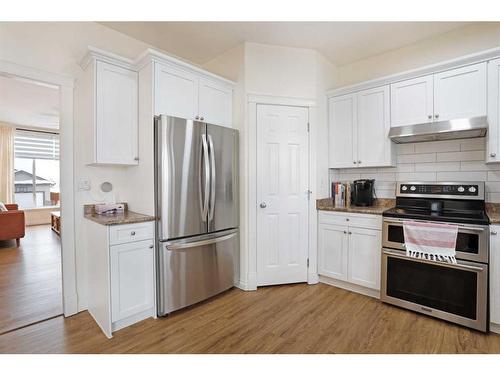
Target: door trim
{"x": 248, "y": 264}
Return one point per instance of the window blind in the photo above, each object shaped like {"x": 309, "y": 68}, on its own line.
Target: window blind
{"x": 36, "y": 145}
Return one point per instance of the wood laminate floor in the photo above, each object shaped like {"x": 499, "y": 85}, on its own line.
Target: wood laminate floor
{"x": 282, "y": 319}
{"x": 30, "y": 278}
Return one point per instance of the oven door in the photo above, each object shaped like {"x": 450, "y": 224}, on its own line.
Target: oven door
{"x": 454, "y": 292}
{"x": 472, "y": 240}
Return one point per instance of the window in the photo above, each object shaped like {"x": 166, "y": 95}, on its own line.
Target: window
{"x": 36, "y": 168}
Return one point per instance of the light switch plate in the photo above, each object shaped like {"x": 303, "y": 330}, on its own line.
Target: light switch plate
{"x": 84, "y": 184}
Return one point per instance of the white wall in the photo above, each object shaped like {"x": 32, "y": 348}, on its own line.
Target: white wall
{"x": 456, "y": 43}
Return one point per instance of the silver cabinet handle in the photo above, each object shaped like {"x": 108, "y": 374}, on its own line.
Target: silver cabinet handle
{"x": 346, "y": 219}
{"x": 201, "y": 118}
{"x": 436, "y": 115}
{"x": 354, "y": 162}
{"x": 345, "y": 232}
{"x": 136, "y": 158}
{"x": 429, "y": 117}
{"x": 263, "y": 205}
{"x": 493, "y": 154}
{"x": 151, "y": 246}
{"x": 359, "y": 161}
{"x": 132, "y": 233}
{"x": 350, "y": 232}
{"x": 197, "y": 118}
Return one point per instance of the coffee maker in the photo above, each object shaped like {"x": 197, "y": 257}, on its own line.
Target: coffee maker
{"x": 362, "y": 192}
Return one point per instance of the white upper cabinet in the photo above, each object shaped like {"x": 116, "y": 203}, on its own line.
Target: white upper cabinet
{"x": 412, "y": 101}
{"x": 186, "y": 94}
{"x": 492, "y": 146}
{"x": 342, "y": 128}
{"x": 116, "y": 127}
{"x": 460, "y": 93}
{"x": 374, "y": 146}
{"x": 176, "y": 92}
{"x": 359, "y": 124}
{"x": 215, "y": 103}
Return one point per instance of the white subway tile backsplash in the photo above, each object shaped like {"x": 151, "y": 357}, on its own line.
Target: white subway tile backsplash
{"x": 439, "y": 146}
{"x": 460, "y": 156}
{"x": 408, "y": 148}
{"x": 416, "y": 158}
{"x": 417, "y": 176}
{"x": 462, "y": 176}
{"x": 437, "y": 167}
{"x": 473, "y": 144}
{"x": 455, "y": 160}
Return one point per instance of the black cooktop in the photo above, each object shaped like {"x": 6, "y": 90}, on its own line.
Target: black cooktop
{"x": 478, "y": 217}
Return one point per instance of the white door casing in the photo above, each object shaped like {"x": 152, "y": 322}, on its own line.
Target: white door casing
{"x": 460, "y": 93}
{"x": 412, "y": 101}
{"x": 282, "y": 194}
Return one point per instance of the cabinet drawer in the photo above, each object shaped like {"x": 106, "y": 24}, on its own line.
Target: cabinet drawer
{"x": 353, "y": 220}
{"x": 131, "y": 232}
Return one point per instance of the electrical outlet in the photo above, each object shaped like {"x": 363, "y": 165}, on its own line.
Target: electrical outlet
{"x": 84, "y": 184}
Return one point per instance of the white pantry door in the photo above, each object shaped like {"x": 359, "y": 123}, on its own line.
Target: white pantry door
{"x": 282, "y": 194}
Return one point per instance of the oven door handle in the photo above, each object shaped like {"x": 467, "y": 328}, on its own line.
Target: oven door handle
{"x": 449, "y": 265}
{"x": 400, "y": 222}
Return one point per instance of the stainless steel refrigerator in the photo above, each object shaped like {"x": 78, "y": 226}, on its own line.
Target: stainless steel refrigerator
{"x": 196, "y": 188}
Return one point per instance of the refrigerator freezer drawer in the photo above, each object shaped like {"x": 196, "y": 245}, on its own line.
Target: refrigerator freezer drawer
{"x": 196, "y": 269}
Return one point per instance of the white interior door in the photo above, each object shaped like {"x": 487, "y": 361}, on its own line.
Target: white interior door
{"x": 282, "y": 198}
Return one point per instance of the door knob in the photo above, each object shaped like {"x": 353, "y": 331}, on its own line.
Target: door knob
{"x": 493, "y": 154}
{"x": 263, "y": 205}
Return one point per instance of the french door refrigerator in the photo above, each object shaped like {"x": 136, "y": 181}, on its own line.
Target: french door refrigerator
{"x": 196, "y": 193}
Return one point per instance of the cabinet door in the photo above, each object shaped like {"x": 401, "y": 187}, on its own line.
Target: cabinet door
{"x": 495, "y": 274}
{"x": 493, "y": 135}
{"x": 374, "y": 145}
{"x": 215, "y": 103}
{"x": 412, "y": 101}
{"x": 364, "y": 257}
{"x": 117, "y": 122}
{"x": 132, "y": 273}
{"x": 176, "y": 92}
{"x": 460, "y": 93}
{"x": 332, "y": 251}
{"x": 342, "y": 130}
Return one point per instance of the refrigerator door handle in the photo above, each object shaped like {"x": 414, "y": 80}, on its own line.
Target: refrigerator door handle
{"x": 212, "y": 178}
{"x": 204, "y": 169}
{"x": 187, "y": 245}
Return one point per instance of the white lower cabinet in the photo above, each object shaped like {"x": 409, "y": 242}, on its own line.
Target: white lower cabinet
{"x": 120, "y": 267}
{"x": 347, "y": 252}
{"x": 495, "y": 276}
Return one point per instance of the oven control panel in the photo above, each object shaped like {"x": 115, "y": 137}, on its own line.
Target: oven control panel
{"x": 467, "y": 190}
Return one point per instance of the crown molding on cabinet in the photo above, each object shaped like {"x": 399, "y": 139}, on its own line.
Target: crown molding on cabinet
{"x": 280, "y": 100}
{"x": 148, "y": 56}
{"x": 473, "y": 58}
{"x": 151, "y": 55}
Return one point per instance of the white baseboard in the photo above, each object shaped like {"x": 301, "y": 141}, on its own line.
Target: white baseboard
{"x": 351, "y": 287}
{"x": 495, "y": 328}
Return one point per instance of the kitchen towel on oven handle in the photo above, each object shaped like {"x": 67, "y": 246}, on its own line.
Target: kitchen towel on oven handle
{"x": 431, "y": 241}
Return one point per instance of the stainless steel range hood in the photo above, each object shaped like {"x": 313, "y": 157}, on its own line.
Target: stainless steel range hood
{"x": 473, "y": 127}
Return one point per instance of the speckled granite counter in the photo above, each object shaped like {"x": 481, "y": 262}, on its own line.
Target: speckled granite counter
{"x": 380, "y": 206}
{"x": 493, "y": 212}
{"x": 127, "y": 217}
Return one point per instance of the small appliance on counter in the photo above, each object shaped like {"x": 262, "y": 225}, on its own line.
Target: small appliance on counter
{"x": 362, "y": 192}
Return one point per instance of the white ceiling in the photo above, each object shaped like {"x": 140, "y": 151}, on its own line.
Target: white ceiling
{"x": 28, "y": 103}
{"x": 340, "y": 42}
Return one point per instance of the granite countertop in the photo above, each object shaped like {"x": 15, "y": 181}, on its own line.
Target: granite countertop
{"x": 493, "y": 212}
{"x": 126, "y": 217}
{"x": 379, "y": 206}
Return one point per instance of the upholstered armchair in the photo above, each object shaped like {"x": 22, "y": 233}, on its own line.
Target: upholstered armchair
{"x": 12, "y": 224}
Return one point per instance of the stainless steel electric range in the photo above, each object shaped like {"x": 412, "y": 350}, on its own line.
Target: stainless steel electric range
{"x": 454, "y": 292}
